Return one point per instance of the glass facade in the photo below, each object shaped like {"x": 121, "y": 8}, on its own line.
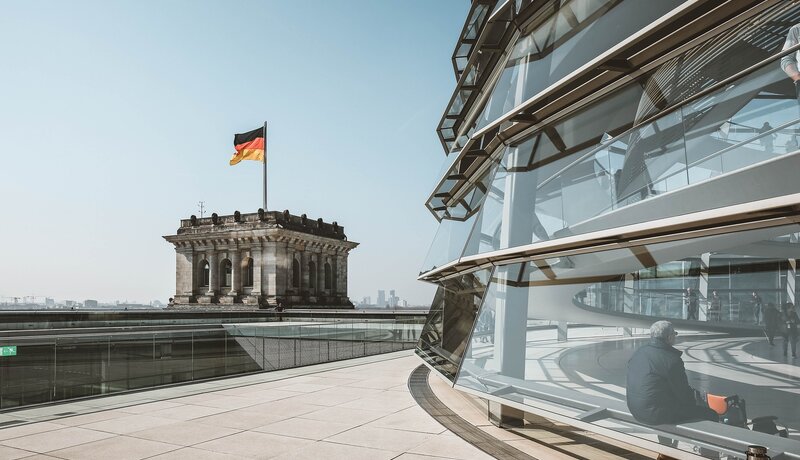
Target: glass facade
{"x": 665, "y": 195}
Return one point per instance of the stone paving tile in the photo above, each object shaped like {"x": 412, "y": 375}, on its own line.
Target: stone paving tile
{"x": 380, "y": 438}
{"x": 254, "y": 445}
{"x": 336, "y": 414}
{"x": 325, "y": 379}
{"x": 54, "y": 440}
{"x": 444, "y": 446}
{"x": 28, "y": 429}
{"x": 225, "y": 402}
{"x": 242, "y": 419}
{"x": 411, "y": 419}
{"x": 330, "y": 397}
{"x": 184, "y": 433}
{"x": 262, "y": 396}
{"x": 10, "y": 453}
{"x": 304, "y": 387}
{"x": 378, "y": 384}
{"x": 286, "y": 407}
{"x": 128, "y": 424}
{"x": 149, "y": 407}
{"x": 331, "y": 451}
{"x": 306, "y": 428}
{"x": 187, "y": 412}
{"x": 116, "y": 448}
{"x": 408, "y": 456}
{"x": 380, "y": 403}
{"x": 190, "y": 453}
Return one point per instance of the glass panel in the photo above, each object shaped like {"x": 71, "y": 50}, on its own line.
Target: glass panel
{"x": 727, "y": 296}
{"x": 580, "y": 178}
{"x": 448, "y": 244}
{"x": 450, "y": 320}
{"x": 208, "y": 354}
{"x": 81, "y": 363}
{"x": 172, "y": 354}
{"x": 555, "y": 48}
{"x": 28, "y": 377}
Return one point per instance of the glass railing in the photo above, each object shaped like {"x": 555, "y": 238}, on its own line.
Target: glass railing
{"x": 49, "y": 368}
{"x": 730, "y": 306}
{"x": 735, "y": 127}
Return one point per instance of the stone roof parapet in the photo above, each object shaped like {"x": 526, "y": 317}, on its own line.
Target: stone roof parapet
{"x": 262, "y": 219}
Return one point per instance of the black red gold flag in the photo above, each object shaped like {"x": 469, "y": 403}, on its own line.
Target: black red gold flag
{"x": 249, "y": 146}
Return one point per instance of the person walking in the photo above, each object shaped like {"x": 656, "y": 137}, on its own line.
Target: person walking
{"x": 692, "y": 304}
{"x": 715, "y": 307}
{"x": 767, "y": 140}
{"x": 772, "y": 317}
{"x": 790, "y": 325}
{"x": 755, "y": 299}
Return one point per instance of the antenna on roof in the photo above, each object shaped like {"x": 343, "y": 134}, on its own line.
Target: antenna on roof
{"x": 201, "y": 205}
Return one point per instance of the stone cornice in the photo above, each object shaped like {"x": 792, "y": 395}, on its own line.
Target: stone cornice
{"x": 231, "y": 238}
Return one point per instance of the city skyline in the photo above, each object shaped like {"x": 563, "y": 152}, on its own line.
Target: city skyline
{"x": 139, "y": 128}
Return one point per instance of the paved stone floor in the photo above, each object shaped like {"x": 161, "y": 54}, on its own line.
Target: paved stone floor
{"x": 356, "y": 409}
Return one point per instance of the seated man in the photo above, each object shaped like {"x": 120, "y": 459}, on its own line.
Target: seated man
{"x": 657, "y": 388}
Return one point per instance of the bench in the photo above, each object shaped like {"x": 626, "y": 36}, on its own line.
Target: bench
{"x": 722, "y": 438}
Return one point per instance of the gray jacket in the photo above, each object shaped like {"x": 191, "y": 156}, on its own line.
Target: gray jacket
{"x": 792, "y": 39}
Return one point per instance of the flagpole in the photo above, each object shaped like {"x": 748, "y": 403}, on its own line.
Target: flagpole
{"x": 265, "y": 166}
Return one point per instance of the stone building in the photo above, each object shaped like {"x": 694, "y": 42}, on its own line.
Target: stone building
{"x": 260, "y": 259}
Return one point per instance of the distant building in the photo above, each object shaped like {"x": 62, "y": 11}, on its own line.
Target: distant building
{"x": 49, "y": 302}
{"x": 69, "y": 303}
{"x": 393, "y": 299}
{"x": 246, "y": 261}
{"x": 90, "y": 303}
{"x": 381, "y": 298}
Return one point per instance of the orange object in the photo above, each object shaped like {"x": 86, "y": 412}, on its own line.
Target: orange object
{"x": 717, "y": 403}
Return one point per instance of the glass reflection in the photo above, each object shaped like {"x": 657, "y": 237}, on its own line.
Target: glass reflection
{"x": 558, "y": 333}
{"x": 683, "y": 158}
{"x": 559, "y": 45}
{"x": 452, "y": 234}
{"x": 451, "y": 318}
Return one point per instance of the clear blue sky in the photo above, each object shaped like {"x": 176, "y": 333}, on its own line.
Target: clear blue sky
{"x": 117, "y": 117}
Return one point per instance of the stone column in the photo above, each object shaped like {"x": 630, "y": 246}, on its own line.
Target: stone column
{"x": 236, "y": 270}
{"x": 213, "y": 275}
{"x": 304, "y": 258}
{"x": 335, "y": 288}
{"x": 270, "y": 272}
{"x": 258, "y": 263}
{"x": 290, "y": 282}
{"x": 184, "y": 273}
{"x": 282, "y": 268}
{"x": 321, "y": 272}
{"x": 312, "y": 274}
{"x": 343, "y": 274}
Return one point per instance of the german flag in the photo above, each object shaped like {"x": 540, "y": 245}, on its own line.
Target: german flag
{"x": 249, "y": 146}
